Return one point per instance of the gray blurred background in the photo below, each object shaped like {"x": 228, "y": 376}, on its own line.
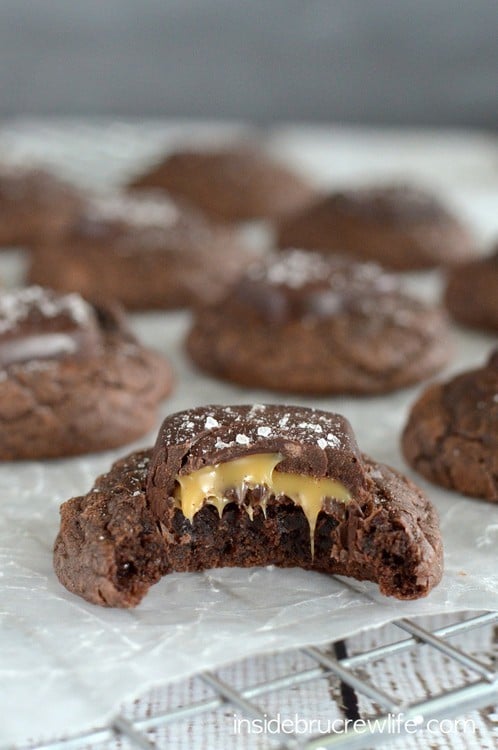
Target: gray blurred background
{"x": 429, "y": 62}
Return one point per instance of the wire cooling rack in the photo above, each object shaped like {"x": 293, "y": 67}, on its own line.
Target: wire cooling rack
{"x": 99, "y": 155}
{"x": 479, "y": 688}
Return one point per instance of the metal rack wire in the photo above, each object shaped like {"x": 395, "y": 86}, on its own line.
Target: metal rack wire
{"x": 477, "y": 693}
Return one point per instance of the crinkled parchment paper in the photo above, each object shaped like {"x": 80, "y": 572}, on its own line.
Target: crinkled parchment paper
{"x": 66, "y": 665}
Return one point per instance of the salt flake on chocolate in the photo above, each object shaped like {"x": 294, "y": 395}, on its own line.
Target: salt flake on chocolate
{"x": 140, "y": 210}
{"x": 220, "y": 444}
{"x": 333, "y": 440}
{"x": 264, "y": 431}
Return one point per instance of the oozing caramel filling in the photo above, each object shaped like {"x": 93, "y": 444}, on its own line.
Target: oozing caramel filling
{"x": 211, "y": 485}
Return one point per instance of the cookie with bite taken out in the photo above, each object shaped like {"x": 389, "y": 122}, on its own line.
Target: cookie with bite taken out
{"x": 244, "y": 486}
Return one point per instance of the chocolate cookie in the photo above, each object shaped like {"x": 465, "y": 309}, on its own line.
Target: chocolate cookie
{"x": 73, "y": 378}
{"x": 233, "y": 184}
{"x": 303, "y": 322}
{"x": 401, "y": 227}
{"x": 244, "y": 486}
{"x": 145, "y": 251}
{"x": 451, "y": 436}
{"x": 34, "y": 204}
{"x": 472, "y": 293}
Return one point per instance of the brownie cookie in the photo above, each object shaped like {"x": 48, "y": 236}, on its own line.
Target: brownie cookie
{"x": 451, "y": 436}
{"x": 34, "y": 204}
{"x": 233, "y": 184}
{"x": 401, "y": 227}
{"x": 145, "y": 251}
{"x": 307, "y": 323}
{"x": 73, "y": 378}
{"x": 472, "y": 293}
{"x": 244, "y": 486}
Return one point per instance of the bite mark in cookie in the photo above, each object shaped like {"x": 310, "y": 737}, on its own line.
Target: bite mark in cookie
{"x": 244, "y": 486}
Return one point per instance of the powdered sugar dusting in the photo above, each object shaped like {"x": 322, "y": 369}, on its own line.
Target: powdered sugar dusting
{"x": 34, "y": 365}
{"x": 16, "y": 306}
{"x": 313, "y": 286}
{"x": 255, "y": 408}
{"x": 148, "y": 210}
{"x": 295, "y": 269}
{"x": 220, "y": 444}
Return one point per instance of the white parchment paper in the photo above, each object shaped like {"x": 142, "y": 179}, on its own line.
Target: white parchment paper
{"x": 66, "y": 665}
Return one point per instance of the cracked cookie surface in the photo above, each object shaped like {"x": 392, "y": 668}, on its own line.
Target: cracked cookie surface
{"x": 303, "y": 322}
{"x": 451, "y": 436}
